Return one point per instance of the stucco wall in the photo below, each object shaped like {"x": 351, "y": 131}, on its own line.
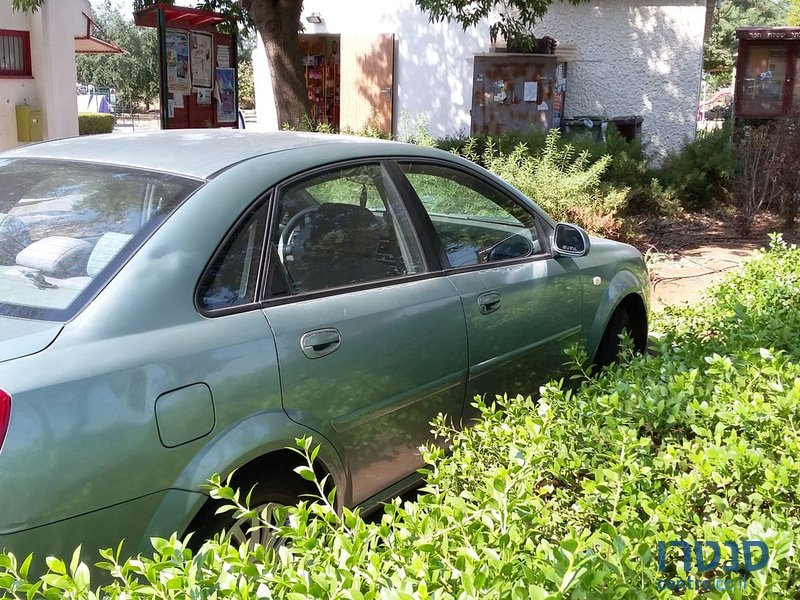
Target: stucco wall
{"x": 433, "y": 62}
{"x": 52, "y": 33}
{"x": 634, "y": 59}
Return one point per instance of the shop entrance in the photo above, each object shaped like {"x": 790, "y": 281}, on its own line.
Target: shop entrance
{"x": 323, "y": 78}
{"x": 350, "y": 80}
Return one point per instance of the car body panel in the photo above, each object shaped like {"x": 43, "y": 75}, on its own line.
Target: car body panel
{"x": 622, "y": 272}
{"x": 20, "y": 337}
{"x": 402, "y": 360}
{"x": 521, "y": 344}
{"x": 84, "y": 459}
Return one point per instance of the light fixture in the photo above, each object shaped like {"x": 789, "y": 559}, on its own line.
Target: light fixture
{"x": 314, "y": 18}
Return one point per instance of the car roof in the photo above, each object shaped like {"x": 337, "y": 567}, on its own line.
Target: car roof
{"x": 200, "y": 153}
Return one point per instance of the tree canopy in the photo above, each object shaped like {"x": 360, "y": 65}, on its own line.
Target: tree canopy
{"x": 27, "y": 6}
{"x": 134, "y": 73}
{"x": 720, "y": 49}
{"x": 513, "y": 17}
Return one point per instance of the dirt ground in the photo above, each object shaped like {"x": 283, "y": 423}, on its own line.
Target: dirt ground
{"x": 687, "y": 255}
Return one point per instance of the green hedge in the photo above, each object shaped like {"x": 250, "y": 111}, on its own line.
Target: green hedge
{"x": 92, "y": 123}
{"x": 564, "y": 497}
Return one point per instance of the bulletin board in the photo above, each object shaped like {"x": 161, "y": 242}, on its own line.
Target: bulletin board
{"x": 198, "y": 77}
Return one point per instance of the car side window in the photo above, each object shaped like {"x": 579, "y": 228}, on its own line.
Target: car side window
{"x": 475, "y": 222}
{"x": 343, "y": 227}
{"x": 232, "y": 276}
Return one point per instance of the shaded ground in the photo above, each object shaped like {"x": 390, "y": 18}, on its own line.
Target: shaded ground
{"x": 687, "y": 255}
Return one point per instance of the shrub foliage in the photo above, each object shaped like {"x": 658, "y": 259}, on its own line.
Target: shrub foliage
{"x": 566, "y": 496}
{"x": 92, "y": 123}
{"x": 561, "y": 180}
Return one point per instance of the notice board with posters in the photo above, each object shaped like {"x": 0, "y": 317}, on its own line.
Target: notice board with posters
{"x": 198, "y": 83}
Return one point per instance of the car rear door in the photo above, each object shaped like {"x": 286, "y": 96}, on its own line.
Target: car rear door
{"x": 522, "y": 307}
{"x": 370, "y": 337}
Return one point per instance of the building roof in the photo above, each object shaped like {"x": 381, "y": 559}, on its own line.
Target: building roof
{"x": 188, "y": 18}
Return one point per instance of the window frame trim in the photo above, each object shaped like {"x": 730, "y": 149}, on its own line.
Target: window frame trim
{"x": 27, "y": 71}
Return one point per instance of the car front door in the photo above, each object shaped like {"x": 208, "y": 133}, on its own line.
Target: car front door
{"x": 522, "y": 307}
{"x": 370, "y": 337}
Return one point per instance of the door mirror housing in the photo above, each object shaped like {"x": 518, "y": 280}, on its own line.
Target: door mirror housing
{"x": 570, "y": 240}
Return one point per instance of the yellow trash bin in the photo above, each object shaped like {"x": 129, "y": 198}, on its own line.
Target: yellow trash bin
{"x": 29, "y": 124}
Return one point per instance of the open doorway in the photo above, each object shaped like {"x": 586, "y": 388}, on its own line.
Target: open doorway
{"x": 350, "y": 80}
{"x": 321, "y": 63}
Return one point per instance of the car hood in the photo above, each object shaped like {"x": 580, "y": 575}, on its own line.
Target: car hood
{"x": 21, "y": 337}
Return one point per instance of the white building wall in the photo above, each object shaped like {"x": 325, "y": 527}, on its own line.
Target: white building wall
{"x": 52, "y": 33}
{"x": 634, "y": 59}
{"x": 432, "y": 62}
{"x": 14, "y": 91}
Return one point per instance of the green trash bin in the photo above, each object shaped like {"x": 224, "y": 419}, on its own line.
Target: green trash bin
{"x": 591, "y": 127}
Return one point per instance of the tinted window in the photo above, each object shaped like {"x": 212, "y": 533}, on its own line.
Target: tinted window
{"x": 342, "y": 228}
{"x": 232, "y": 277}
{"x": 475, "y": 222}
{"x": 62, "y": 223}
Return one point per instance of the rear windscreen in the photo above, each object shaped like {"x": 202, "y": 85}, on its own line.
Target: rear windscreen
{"x": 66, "y": 226}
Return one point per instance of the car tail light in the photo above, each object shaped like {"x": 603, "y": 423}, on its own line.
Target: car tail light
{"x": 5, "y": 415}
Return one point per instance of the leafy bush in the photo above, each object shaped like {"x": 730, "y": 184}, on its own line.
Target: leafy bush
{"x": 567, "y": 496}
{"x": 561, "y": 180}
{"x": 505, "y": 143}
{"x": 93, "y": 123}
{"x": 247, "y": 94}
{"x": 701, "y": 171}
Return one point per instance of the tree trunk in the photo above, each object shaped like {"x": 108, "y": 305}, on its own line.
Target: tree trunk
{"x": 278, "y": 22}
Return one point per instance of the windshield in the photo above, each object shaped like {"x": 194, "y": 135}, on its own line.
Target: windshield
{"x": 65, "y": 227}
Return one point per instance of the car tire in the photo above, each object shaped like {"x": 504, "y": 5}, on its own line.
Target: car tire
{"x": 610, "y": 345}
{"x": 267, "y": 494}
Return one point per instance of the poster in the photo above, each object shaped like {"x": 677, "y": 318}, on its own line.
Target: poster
{"x": 531, "y": 91}
{"x": 177, "y": 100}
{"x": 171, "y": 109}
{"x": 202, "y": 56}
{"x": 499, "y": 89}
{"x": 178, "y": 60}
{"x": 558, "y": 101}
{"x": 223, "y": 57}
{"x": 226, "y": 95}
{"x": 203, "y": 97}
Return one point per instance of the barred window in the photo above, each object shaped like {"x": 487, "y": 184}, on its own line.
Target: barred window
{"x": 15, "y": 53}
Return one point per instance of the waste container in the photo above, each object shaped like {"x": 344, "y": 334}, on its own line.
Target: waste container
{"x": 29, "y": 123}
{"x": 592, "y": 127}
{"x": 629, "y": 127}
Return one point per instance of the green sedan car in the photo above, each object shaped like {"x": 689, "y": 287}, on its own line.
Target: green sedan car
{"x": 179, "y": 304}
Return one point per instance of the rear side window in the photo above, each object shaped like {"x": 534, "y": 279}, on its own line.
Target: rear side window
{"x": 232, "y": 278}
{"x": 64, "y": 225}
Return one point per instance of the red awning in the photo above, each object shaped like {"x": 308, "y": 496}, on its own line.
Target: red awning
{"x": 88, "y": 44}
{"x": 188, "y": 18}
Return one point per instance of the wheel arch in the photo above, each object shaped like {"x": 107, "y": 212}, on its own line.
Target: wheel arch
{"x": 242, "y": 450}
{"x": 623, "y": 291}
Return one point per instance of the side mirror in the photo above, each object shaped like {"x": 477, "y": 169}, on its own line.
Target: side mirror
{"x": 570, "y": 240}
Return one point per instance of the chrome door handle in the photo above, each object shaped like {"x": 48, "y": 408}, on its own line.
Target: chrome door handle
{"x": 489, "y": 302}
{"x": 319, "y": 343}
